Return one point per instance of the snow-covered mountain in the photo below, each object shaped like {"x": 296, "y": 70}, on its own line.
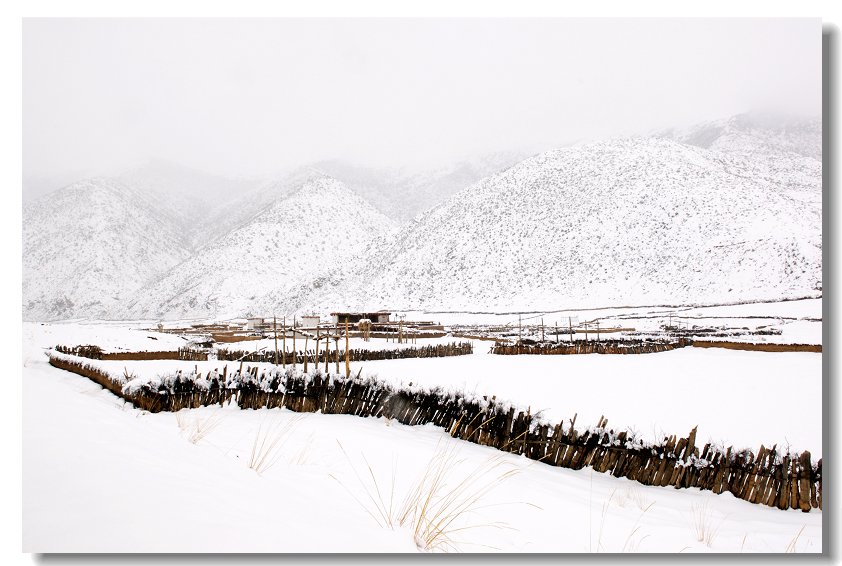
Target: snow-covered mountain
{"x": 725, "y": 211}
{"x": 755, "y": 134}
{"x": 316, "y": 227}
{"x": 89, "y": 246}
{"x": 634, "y": 221}
{"x": 401, "y": 193}
{"x": 202, "y": 204}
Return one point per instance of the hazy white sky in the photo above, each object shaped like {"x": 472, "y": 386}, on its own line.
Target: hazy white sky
{"x": 252, "y": 97}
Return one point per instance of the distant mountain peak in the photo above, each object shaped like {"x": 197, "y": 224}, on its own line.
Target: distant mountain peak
{"x": 749, "y": 132}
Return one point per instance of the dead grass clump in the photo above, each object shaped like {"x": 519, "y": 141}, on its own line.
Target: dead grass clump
{"x": 440, "y": 503}
{"x": 703, "y": 525}
{"x": 194, "y": 427}
{"x": 792, "y": 546}
{"x": 633, "y": 495}
{"x": 269, "y": 438}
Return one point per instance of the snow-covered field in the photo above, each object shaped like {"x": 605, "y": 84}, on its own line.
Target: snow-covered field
{"x": 99, "y": 475}
{"x": 799, "y": 321}
{"x": 804, "y": 308}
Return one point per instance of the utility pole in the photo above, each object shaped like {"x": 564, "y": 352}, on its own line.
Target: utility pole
{"x": 597, "y": 330}
{"x": 570, "y": 327}
{"x": 542, "y": 330}
{"x": 556, "y": 332}
{"x": 519, "y": 330}
{"x": 294, "y": 351}
{"x": 275, "y": 329}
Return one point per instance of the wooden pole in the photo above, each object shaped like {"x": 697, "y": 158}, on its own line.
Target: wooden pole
{"x": 327, "y": 351}
{"x": 347, "y": 352}
{"x": 306, "y": 340}
{"x": 284, "y": 358}
{"x": 294, "y": 350}
{"x": 336, "y": 348}
{"x": 542, "y": 330}
{"x": 597, "y": 330}
{"x": 275, "y": 329}
{"x": 316, "y": 363}
{"x": 570, "y": 326}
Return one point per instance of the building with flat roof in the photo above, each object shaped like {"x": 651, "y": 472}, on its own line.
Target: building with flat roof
{"x": 378, "y": 317}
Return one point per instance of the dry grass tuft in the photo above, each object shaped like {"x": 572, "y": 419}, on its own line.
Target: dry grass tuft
{"x": 792, "y": 546}
{"x": 439, "y": 504}
{"x": 303, "y": 456}
{"x": 436, "y": 506}
{"x": 634, "y": 495}
{"x": 269, "y": 438}
{"x": 197, "y": 428}
{"x": 703, "y": 526}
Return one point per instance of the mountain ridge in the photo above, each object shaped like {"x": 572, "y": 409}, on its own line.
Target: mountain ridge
{"x": 730, "y": 211}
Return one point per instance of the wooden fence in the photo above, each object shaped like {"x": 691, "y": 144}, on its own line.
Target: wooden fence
{"x": 354, "y": 355}
{"x": 96, "y": 353}
{"x": 769, "y": 477}
{"x": 266, "y": 356}
{"x": 591, "y": 347}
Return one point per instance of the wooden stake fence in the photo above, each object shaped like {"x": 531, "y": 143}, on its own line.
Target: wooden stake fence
{"x": 591, "y": 347}
{"x": 311, "y": 356}
{"x": 769, "y": 477}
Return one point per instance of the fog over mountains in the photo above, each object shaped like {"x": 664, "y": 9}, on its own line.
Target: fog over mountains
{"x": 726, "y": 211}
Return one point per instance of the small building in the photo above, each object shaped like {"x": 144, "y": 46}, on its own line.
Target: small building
{"x": 309, "y": 321}
{"x": 378, "y": 317}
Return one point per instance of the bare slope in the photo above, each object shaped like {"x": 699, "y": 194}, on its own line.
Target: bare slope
{"x": 636, "y": 221}
{"x": 90, "y": 246}
{"x": 316, "y": 227}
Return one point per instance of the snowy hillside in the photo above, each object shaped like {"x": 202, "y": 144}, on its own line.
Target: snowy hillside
{"x": 91, "y": 245}
{"x": 199, "y": 201}
{"x": 402, "y": 194}
{"x": 320, "y": 224}
{"x": 636, "y": 221}
{"x": 725, "y": 211}
{"x": 755, "y": 134}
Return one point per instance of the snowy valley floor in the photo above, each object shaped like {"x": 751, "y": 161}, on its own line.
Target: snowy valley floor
{"x": 101, "y": 476}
